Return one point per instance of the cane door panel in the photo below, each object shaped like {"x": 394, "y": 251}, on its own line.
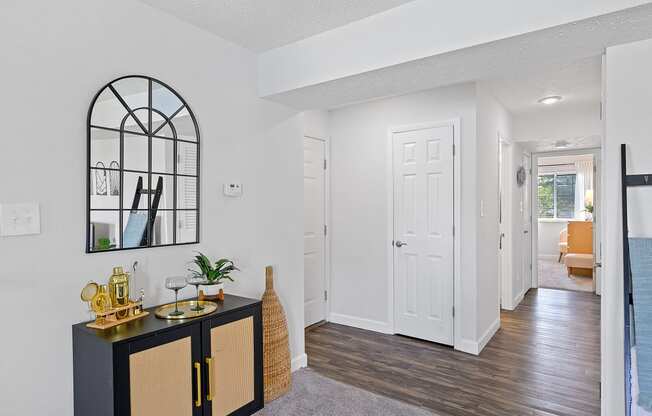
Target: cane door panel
{"x": 160, "y": 382}
{"x": 232, "y": 373}
{"x": 163, "y": 375}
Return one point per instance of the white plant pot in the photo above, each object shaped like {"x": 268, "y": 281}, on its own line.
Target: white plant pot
{"x": 212, "y": 290}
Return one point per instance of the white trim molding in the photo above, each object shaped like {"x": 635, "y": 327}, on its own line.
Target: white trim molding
{"x": 361, "y": 323}
{"x": 534, "y": 227}
{"x": 489, "y": 333}
{"x": 299, "y": 362}
{"x": 513, "y": 303}
{"x": 475, "y": 347}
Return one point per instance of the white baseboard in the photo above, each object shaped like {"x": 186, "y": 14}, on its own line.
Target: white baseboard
{"x": 515, "y": 302}
{"x": 519, "y": 298}
{"x": 467, "y": 346}
{"x": 475, "y": 347}
{"x": 299, "y": 362}
{"x": 548, "y": 257}
{"x": 362, "y": 323}
{"x": 489, "y": 333}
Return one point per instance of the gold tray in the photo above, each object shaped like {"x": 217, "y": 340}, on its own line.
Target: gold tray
{"x": 164, "y": 312}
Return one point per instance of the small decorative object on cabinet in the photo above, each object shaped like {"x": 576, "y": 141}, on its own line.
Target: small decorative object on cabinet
{"x": 188, "y": 309}
{"x": 119, "y": 290}
{"x": 176, "y": 284}
{"x": 276, "y": 342}
{"x": 101, "y": 301}
{"x": 213, "y": 276}
{"x": 111, "y": 303}
{"x": 209, "y": 366}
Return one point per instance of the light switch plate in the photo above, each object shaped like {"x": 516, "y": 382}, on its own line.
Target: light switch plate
{"x": 233, "y": 190}
{"x": 20, "y": 219}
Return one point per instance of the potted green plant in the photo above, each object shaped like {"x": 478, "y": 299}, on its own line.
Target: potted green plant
{"x": 214, "y": 274}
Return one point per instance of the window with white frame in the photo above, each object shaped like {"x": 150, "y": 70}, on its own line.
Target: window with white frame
{"x": 556, "y": 194}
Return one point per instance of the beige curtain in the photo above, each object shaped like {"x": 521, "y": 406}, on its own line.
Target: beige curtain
{"x": 583, "y": 186}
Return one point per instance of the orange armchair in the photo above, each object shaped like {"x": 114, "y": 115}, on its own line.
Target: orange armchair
{"x": 563, "y": 243}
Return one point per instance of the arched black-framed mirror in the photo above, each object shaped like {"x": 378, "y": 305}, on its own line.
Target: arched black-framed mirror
{"x": 143, "y": 167}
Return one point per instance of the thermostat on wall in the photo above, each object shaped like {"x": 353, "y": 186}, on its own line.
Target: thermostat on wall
{"x": 233, "y": 189}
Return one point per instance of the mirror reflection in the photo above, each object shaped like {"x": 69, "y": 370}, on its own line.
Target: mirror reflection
{"x": 143, "y": 167}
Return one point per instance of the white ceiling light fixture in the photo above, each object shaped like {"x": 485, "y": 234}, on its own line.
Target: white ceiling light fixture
{"x": 562, "y": 144}
{"x": 551, "y": 99}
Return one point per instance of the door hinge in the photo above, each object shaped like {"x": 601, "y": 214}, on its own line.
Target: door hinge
{"x": 453, "y": 149}
{"x": 453, "y": 311}
{"x": 325, "y": 295}
{"x": 325, "y": 229}
{"x": 601, "y": 110}
{"x": 325, "y": 164}
{"x": 453, "y": 230}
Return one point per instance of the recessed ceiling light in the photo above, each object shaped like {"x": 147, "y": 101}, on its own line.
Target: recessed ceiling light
{"x": 562, "y": 144}
{"x": 552, "y": 99}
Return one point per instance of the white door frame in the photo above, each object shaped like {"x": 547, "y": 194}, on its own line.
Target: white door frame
{"x": 505, "y": 252}
{"x": 457, "y": 291}
{"x": 534, "y": 232}
{"x": 528, "y": 283}
{"x": 327, "y": 222}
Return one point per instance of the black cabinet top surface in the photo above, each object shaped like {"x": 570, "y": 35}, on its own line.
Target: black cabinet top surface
{"x": 150, "y": 324}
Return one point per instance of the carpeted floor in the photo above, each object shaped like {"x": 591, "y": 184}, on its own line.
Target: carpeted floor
{"x": 316, "y": 395}
{"x": 553, "y": 275}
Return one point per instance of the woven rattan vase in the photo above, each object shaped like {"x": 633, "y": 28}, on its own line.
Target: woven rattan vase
{"x": 276, "y": 345}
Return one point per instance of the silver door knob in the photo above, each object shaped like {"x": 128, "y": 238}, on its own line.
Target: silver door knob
{"x": 400, "y": 244}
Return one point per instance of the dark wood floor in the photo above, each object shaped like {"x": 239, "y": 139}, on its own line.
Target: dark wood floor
{"x": 545, "y": 360}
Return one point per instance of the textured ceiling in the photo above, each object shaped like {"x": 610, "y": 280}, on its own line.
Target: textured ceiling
{"x": 577, "y": 82}
{"x": 544, "y": 51}
{"x": 571, "y": 143}
{"x": 262, "y": 25}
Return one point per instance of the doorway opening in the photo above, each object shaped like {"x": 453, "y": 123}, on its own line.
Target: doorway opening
{"x": 567, "y": 246}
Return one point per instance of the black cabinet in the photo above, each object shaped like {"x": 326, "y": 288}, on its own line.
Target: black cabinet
{"x": 208, "y": 366}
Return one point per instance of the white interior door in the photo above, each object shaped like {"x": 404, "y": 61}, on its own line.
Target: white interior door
{"x": 314, "y": 238}
{"x": 526, "y": 221}
{"x": 597, "y": 224}
{"x": 423, "y": 233}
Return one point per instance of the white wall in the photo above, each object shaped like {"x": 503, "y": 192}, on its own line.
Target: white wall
{"x": 548, "y": 238}
{"x": 556, "y": 123}
{"x": 316, "y": 124}
{"x": 359, "y": 240}
{"x": 628, "y": 97}
{"x": 494, "y": 121}
{"x": 56, "y": 55}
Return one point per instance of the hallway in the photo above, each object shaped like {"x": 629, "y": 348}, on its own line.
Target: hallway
{"x": 545, "y": 360}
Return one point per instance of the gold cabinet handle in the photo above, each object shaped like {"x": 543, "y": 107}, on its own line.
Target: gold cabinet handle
{"x": 198, "y": 374}
{"x": 209, "y": 365}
